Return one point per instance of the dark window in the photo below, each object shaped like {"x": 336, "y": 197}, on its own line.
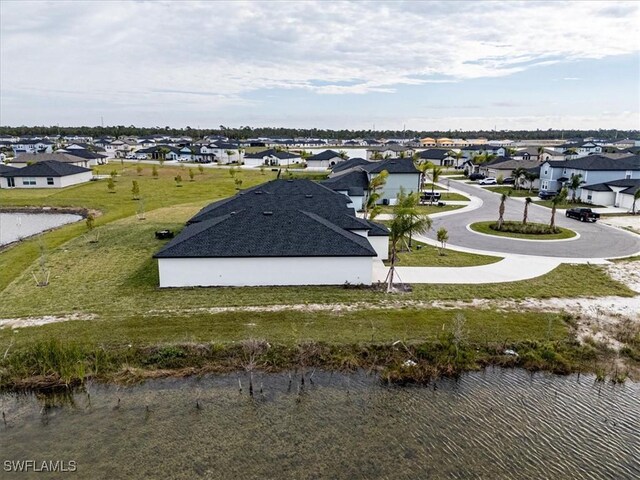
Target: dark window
{"x": 49, "y": 181}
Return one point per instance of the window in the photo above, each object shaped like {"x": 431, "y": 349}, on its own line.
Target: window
{"x": 589, "y": 197}
{"x": 28, "y": 181}
{"x": 627, "y": 175}
{"x": 11, "y": 182}
{"x": 546, "y": 171}
{"x": 564, "y": 171}
{"x": 49, "y": 180}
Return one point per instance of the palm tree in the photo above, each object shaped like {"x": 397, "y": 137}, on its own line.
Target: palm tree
{"x": 376, "y": 155}
{"x": 503, "y": 199}
{"x": 540, "y": 152}
{"x": 458, "y": 156}
{"x": 530, "y": 177}
{"x": 371, "y": 208}
{"x": 636, "y": 197}
{"x": 527, "y": 201}
{"x": 518, "y": 174}
{"x": 574, "y": 185}
{"x": 407, "y": 219}
{"x": 423, "y": 167}
{"x": 435, "y": 176}
{"x": 557, "y": 200}
{"x": 343, "y": 154}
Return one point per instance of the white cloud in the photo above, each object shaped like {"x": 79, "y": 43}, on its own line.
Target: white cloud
{"x": 213, "y": 55}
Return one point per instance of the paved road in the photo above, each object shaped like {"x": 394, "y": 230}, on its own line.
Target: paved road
{"x": 596, "y": 240}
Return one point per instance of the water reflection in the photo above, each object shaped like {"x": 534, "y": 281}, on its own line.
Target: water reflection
{"x": 14, "y": 226}
{"x": 491, "y": 424}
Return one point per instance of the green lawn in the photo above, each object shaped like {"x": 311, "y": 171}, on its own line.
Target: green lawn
{"x": 509, "y": 190}
{"x": 564, "y": 205}
{"x": 423, "y": 255}
{"x": 483, "y": 227}
{"x": 425, "y": 209}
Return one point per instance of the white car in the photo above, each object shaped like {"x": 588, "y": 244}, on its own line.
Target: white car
{"x": 488, "y": 181}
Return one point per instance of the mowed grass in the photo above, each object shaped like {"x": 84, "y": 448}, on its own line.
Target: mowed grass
{"x": 423, "y": 255}
{"x": 155, "y": 193}
{"x": 566, "y": 204}
{"x": 425, "y": 209}
{"x": 117, "y": 277}
{"x": 512, "y": 192}
{"x": 292, "y": 327}
{"x": 484, "y": 227}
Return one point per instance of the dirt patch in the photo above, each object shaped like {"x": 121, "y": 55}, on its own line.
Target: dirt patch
{"x": 628, "y": 222}
{"x": 37, "y": 321}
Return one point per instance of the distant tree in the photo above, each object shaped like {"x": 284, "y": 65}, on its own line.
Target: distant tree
{"x": 111, "y": 185}
{"x": 442, "y": 236}
{"x": 162, "y": 154}
{"x": 238, "y": 182}
{"x": 518, "y": 175}
{"x": 636, "y": 197}
{"x": 559, "y": 199}
{"x": 230, "y": 154}
{"x": 191, "y": 175}
{"x": 435, "y": 176}
{"x": 90, "y": 222}
{"x": 531, "y": 177}
{"x": 201, "y": 169}
{"x": 135, "y": 190}
{"x": 574, "y": 184}
{"x": 376, "y": 155}
{"x": 154, "y": 172}
{"x": 113, "y": 174}
{"x": 458, "y": 156}
{"x": 139, "y": 169}
{"x": 178, "y": 180}
{"x": 525, "y": 216}
{"x": 503, "y": 199}
{"x": 371, "y": 208}
{"x": 262, "y": 169}
{"x": 343, "y": 154}
{"x": 423, "y": 167}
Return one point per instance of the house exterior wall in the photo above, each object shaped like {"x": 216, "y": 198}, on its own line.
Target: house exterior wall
{"x": 41, "y": 182}
{"x": 324, "y": 163}
{"x": 381, "y": 246}
{"x": 606, "y": 199}
{"x": 264, "y": 271}
{"x": 408, "y": 181}
{"x": 626, "y": 201}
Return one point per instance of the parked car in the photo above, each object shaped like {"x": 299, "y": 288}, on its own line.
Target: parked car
{"x": 476, "y": 176}
{"x": 428, "y": 197}
{"x": 488, "y": 181}
{"x": 546, "y": 195}
{"x": 583, "y": 214}
{"x": 509, "y": 181}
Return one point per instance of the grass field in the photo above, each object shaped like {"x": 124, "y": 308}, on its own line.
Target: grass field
{"x": 509, "y": 190}
{"x": 425, "y": 209}
{"x": 564, "y": 205}
{"x": 484, "y": 227}
{"x": 423, "y": 255}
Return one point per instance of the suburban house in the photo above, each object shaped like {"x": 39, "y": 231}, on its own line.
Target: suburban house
{"x": 284, "y": 232}
{"x": 347, "y": 165}
{"x": 93, "y": 158}
{"x": 439, "y": 156}
{"x": 25, "y": 159}
{"x": 32, "y": 146}
{"x": 45, "y": 174}
{"x": 428, "y": 142}
{"x": 594, "y": 169}
{"x": 504, "y": 167}
{"x": 389, "y": 151}
{"x": 326, "y": 159}
{"x": 474, "y": 150}
{"x": 616, "y": 193}
{"x": 353, "y": 183}
{"x": 271, "y": 157}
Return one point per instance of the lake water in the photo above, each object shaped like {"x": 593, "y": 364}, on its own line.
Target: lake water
{"x": 14, "y": 226}
{"x": 495, "y": 424}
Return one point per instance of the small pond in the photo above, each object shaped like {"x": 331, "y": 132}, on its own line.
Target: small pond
{"x": 14, "y": 226}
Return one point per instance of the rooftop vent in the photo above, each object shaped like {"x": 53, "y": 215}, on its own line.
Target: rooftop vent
{"x": 308, "y": 196}
{"x": 267, "y": 213}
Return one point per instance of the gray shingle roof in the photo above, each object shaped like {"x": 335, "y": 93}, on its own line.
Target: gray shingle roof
{"x": 326, "y": 155}
{"x": 284, "y": 233}
{"x": 599, "y": 162}
{"x": 393, "y": 165}
{"x": 632, "y": 184}
{"x": 347, "y": 164}
{"x": 434, "y": 154}
{"x": 47, "y": 168}
{"x": 6, "y": 168}
{"x": 356, "y": 178}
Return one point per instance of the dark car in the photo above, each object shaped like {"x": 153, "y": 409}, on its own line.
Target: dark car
{"x": 546, "y": 195}
{"x": 583, "y": 214}
{"x": 509, "y": 181}
{"x": 476, "y": 176}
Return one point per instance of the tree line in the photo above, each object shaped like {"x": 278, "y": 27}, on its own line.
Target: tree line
{"x": 245, "y": 132}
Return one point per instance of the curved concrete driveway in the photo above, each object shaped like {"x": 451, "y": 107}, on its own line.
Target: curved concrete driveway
{"x": 596, "y": 241}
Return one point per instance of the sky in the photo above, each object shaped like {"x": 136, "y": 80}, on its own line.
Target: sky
{"x": 320, "y": 64}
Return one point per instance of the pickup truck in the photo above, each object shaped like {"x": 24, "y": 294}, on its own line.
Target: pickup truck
{"x": 583, "y": 214}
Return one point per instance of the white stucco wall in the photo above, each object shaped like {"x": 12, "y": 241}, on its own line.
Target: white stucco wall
{"x": 606, "y": 199}
{"x": 626, "y": 201}
{"x": 192, "y": 272}
{"x": 41, "y": 182}
{"x": 381, "y": 246}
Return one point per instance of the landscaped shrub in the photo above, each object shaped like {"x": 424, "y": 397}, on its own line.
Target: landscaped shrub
{"x": 529, "y": 228}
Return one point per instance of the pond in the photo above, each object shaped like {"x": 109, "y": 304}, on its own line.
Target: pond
{"x": 493, "y": 424}
{"x": 14, "y": 226}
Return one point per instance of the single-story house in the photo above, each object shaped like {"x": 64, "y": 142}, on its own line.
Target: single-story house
{"x": 326, "y": 159}
{"x": 284, "y": 232}
{"x": 45, "y": 174}
{"x": 271, "y": 157}
{"x": 616, "y": 193}
{"x": 403, "y": 174}
{"x": 354, "y": 184}
{"x": 390, "y": 150}
{"x": 504, "y": 167}
{"x": 347, "y": 165}
{"x": 25, "y": 159}
{"x": 93, "y": 158}
{"x": 439, "y": 156}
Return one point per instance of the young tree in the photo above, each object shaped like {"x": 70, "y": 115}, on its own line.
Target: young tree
{"x": 111, "y": 185}
{"x": 557, "y": 200}
{"x": 162, "y": 154}
{"x": 530, "y": 177}
{"x": 518, "y": 175}
{"x": 135, "y": 190}
{"x": 139, "y": 169}
{"x": 230, "y": 154}
{"x": 407, "y": 219}
{"x": 90, "y": 221}
{"x": 574, "y": 185}
{"x": 201, "y": 169}
{"x": 262, "y": 169}
{"x": 503, "y": 199}
{"x": 113, "y": 174}
{"x": 371, "y": 208}
{"x": 191, "y": 174}
{"x": 154, "y": 172}
{"x": 442, "y": 236}
{"x": 178, "y": 180}
{"x": 238, "y": 182}
{"x": 525, "y": 216}
{"x": 423, "y": 167}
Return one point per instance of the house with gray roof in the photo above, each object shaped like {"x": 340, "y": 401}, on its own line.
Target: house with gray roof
{"x": 326, "y": 159}
{"x": 44, "y": 174}
{"x": 271, "y": 157}
{"x": 284, "y": 232}
{"x": 616, "y": 193}
{"x": 594, "y": 169}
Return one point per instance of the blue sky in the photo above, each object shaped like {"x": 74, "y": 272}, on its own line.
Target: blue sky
{"x": 426, "y": 65}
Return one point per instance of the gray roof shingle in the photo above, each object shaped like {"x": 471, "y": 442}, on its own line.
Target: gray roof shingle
{"x": 46, "y": 168}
